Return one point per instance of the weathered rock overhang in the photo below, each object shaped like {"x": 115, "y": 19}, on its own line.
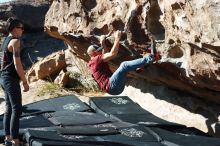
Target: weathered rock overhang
{"x": 187, "y": 35}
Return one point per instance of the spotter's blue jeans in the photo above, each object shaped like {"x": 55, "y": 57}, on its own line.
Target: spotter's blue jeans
{"x": 13, "y": 105}
{"x": 119, "y": 77}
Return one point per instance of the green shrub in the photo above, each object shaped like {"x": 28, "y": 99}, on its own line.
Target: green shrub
{"x": 48, "y": 88}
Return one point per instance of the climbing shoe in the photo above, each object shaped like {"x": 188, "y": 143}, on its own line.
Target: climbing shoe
{"x": 157, "y": 56}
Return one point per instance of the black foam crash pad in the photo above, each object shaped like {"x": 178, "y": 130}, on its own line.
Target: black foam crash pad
{"x": 37, "y": 121}
{"x": 77, "y": 118}
{"x": 52, "y": 138}
{"x": 87, "y": 130}
{"x": 144, "y": 119}
{"x": 124, "y": 109}
{"x": 116, "y": 105}
{"x": 170, "y": 138}
{"x": 68, "y": 121}
{"x": 94, "y": 130}
{"x": 63, "y": 103}
{"x": 132, "y": 134}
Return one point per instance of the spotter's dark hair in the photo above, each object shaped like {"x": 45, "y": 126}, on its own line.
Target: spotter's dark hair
{"x": 12, "y": 23}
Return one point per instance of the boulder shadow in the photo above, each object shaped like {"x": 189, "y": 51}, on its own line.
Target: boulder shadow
{"x": 192, "y": 103}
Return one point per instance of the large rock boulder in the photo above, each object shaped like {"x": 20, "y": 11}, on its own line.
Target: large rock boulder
{"x": 47, "y": 68}
{"x": 189, "y": 42}
{"x": 75, "y": 64}
{"x": 31, "y": 12}
{"x": 62, "y": 79}
{"x": 63, "y": 68}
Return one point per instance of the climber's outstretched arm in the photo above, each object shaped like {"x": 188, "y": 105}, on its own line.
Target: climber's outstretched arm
{"x": 114, "y": 50}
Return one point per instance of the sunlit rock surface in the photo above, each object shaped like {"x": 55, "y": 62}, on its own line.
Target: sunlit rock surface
{"x": 187, "y": 40}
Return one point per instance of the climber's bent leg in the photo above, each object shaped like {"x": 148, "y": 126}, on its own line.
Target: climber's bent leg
{"x": 119, "y": 77}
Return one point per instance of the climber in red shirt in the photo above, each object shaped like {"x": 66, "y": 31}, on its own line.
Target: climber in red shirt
{"x": 112, "y": 83}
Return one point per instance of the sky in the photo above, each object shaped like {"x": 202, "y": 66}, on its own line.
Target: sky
{"x": 1, "y": 1}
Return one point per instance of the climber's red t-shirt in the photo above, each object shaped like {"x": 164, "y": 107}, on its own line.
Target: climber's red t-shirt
{"x": 100, "y": 71}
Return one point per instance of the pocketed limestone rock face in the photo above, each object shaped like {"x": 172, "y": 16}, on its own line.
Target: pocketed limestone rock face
{"x": 194, "y": 28}
{"x": 187, "y": 35}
